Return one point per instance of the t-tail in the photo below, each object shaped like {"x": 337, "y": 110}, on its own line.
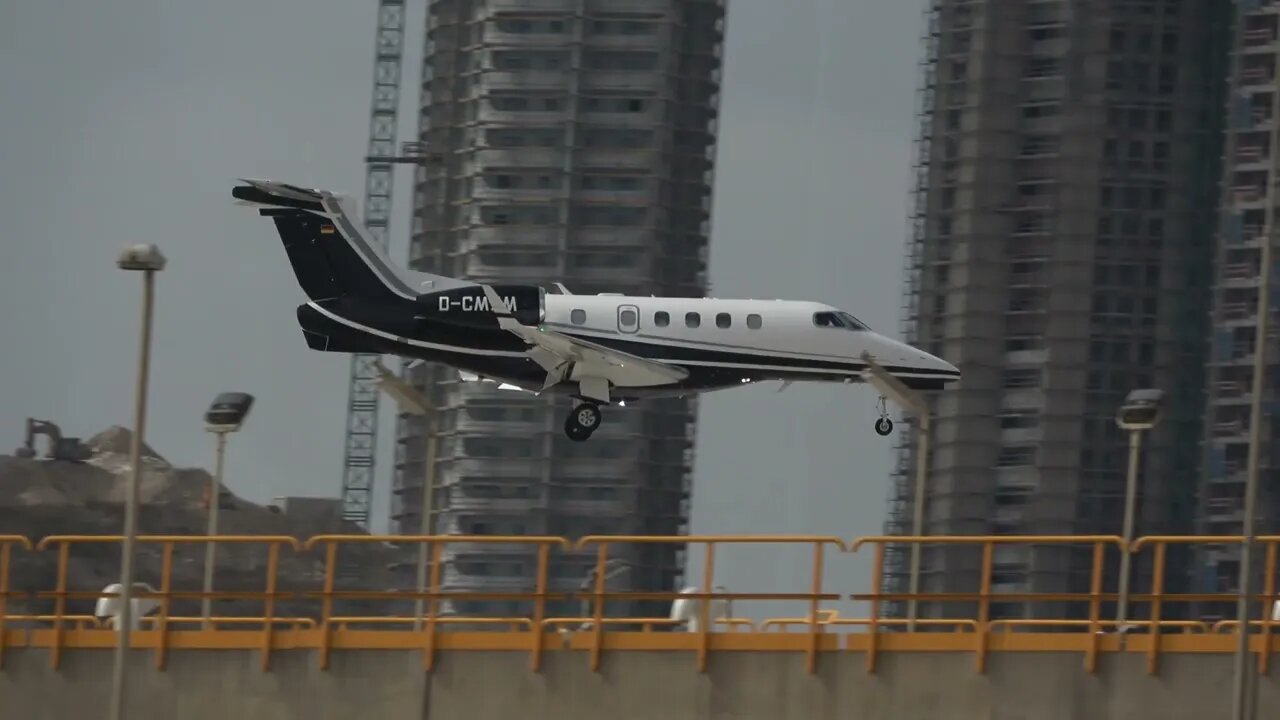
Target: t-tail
{"x": 332, "y": 257}
{"x": 352, "y": 284}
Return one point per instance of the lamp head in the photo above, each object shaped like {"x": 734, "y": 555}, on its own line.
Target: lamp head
{"x": 143, "y": 256}
{"x": 1142, "y": 409}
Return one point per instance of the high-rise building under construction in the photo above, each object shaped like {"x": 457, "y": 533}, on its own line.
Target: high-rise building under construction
{"x": 570, "y": 141}
{"x": 1063, "y": 239}
{"x": 1248, "y": 213}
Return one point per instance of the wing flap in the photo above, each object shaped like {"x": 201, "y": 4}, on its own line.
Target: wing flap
{"x": 555, "y": 352}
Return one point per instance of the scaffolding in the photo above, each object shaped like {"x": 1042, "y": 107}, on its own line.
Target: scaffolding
{"x": 900, "y": 498}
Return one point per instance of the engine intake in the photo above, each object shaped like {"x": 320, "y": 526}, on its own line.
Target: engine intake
{"x": 470, "y": 307}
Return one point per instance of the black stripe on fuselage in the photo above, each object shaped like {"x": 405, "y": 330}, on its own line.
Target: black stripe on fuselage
{"x": 713, "y": 368}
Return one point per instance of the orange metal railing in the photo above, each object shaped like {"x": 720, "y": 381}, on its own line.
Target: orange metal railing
{"x": 811, "y": 633}
{"x": 6, "y": 557}
{"x": 435, "y": 548}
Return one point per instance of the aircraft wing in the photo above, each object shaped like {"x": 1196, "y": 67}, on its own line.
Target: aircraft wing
{"x": 557, "y": 353}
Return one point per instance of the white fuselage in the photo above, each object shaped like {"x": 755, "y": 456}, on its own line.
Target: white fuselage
{"x": 752, "y": 334}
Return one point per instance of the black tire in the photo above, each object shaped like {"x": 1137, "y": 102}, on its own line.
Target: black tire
{"x": 575, "y": 433}
{"x": 884, "y": 426}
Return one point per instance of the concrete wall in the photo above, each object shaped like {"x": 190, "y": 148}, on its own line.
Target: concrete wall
{"x": 391, "y": 685}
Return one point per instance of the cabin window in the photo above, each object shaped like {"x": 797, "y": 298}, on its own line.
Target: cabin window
{"x": 692, "y": 320}
{"x": 753, "y": 321}
{"x": 723, "y": 320}
{"x": 661, "y": 319}
{"x": 578, "y": 317}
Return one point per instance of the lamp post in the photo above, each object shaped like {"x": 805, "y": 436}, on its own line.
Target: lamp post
{"x": 225, "y": 415}
{"x": 411, "y": 401}
{"x": 1241, "y": 704}
{"x": 893, "y": 388}
{"x": 148, "y": 260}
{"x": 1141, "y": 411}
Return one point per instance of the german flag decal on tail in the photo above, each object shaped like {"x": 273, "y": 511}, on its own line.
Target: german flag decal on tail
{"x": 326, "y": 229}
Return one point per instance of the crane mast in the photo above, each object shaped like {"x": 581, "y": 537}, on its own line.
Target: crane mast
{"x": 362, "y": 397}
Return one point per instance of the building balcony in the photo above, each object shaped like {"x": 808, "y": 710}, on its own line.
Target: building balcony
{"x": 513, "y": 196}
{"x": 613, "y": 237}
{"x": 487, "y": 115}
{"x": 1257, "y": 76}
{"x": 475, "y": 267}
{"x": 594, "y": 508}
{"x": 1230, "y": 391}
{"x": 1251, "y": 155}
{"x": 1224, "y": 509}
{"x": 626, "y": 42}
{"x": 484, "y": 156}
{"x": 650, "y": 117}
{"x": 1228, "y": 428}
{"x": 618, "y": 158}
{"x": 502, "y": 79}
{"x": 498, "y": 235}
{"x": 1248, "y": 193}
{"x": 647, "y": 81}
{"x": 1259, "y": 38}
{"x": 498, "y": 8}
{"x": 1240, "y": 275}
{"x": 458, "y": 501}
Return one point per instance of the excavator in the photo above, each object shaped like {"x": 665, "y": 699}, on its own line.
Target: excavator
{"x": 66, "y": 449}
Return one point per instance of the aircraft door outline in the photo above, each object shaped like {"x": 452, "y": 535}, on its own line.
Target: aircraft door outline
{"x": 628, "y": 318}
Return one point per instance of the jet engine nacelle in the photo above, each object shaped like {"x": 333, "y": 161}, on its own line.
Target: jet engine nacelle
{"x": 469, "y": 305}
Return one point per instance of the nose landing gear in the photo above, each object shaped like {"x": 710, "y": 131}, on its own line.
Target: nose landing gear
{"x": 884, "y": 425}
{"x": 582, "y": 421}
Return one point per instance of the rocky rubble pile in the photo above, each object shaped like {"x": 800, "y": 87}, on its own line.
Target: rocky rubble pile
{"x": 40, "y": 498}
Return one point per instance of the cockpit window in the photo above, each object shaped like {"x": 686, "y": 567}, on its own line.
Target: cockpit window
{"x": 852, "y": 322}
{"x": 838, "y": 320}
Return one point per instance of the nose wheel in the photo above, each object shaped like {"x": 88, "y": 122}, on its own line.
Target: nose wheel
{"x": 582, "y": 421}
{"x": 884, "y": 425}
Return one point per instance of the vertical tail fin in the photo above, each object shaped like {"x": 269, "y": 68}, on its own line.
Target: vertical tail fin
{"x": 331, "y": 255}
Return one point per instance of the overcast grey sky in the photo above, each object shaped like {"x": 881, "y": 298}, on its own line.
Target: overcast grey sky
{"x": 129, "y": 121}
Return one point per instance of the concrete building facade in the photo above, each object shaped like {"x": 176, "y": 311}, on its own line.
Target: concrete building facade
{"x": 571, "y": 141}
{"x": 1060, "y": 256}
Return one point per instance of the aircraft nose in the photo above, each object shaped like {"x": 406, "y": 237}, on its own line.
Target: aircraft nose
{"x": 899, "y": 353}
{"x": 938, "y": 363}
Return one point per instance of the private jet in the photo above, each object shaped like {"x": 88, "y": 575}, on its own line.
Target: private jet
{"x": 599, "y": 349}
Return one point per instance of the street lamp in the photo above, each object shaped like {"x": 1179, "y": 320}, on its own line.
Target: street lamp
{"x": 148, "y": 260}
{"x": 1141, "y": 411}
{"x": 893, "y": 388}
{"x": 225, "y": 415}
{"x": 411, "y": 401}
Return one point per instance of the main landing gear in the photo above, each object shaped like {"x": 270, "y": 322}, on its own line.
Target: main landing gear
{"x": 582, "y": 421}
{"x": 884, "y": 425}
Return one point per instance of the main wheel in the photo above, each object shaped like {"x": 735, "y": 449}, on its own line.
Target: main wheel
{"x": 884, "y": 426}
{"x": 583, "y": 421}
